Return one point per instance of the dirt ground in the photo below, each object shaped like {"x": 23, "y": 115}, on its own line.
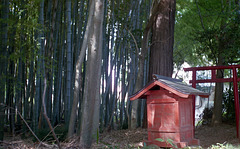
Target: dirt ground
{"x": 224, "y": 133}
{"x": 119, "y": 139}
{"x": 208, "y": 136}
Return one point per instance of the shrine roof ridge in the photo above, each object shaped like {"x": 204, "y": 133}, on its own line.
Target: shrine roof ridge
{"x": 175, "y": 86}
{"x": 179, "y": 85}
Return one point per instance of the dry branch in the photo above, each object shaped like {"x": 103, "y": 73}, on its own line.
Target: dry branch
{"x": 23, "y": 121}
{"x": 45, "y": 113}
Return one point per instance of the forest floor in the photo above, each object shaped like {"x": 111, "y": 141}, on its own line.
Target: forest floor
{"x": 208, "y": 136}
{"x": 129, "y": 139}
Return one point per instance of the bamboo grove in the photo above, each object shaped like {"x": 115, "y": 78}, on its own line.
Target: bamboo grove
{"x": 56, "y": 54}
{"x": 43, "y": 39}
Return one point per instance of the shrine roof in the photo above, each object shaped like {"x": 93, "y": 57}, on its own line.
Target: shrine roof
{"x": 175, "y": 86}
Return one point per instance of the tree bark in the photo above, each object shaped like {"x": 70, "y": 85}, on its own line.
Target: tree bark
{"x": 220, "y": 60}
{"x": 217, "y": 111}
{"x": 3, "y": 53}
{"x": 218, "y": 97}
{"x": 40, "y": 64}
{"x": 161, "y": 21}
{"x": 69, "y": 64}
{"x": 161, "y": 50}
{"x": 91, "y": 97}
{"x": 78, "y": 69}
{"x": 142, "y": 56}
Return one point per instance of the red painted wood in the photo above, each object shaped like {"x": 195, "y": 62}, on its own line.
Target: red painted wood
{"x": 235, "y": 80}
{"x": 211, "y": 67}
{"x": 169, "y": 112}
{"x": 194, "y": 74}
{"x": 213, "y": 73}
{"x": 215, "y": 80}
{"x": 143, "y": 92}
{"x": 170, "y": 117}
{"x": 236, "y": 97}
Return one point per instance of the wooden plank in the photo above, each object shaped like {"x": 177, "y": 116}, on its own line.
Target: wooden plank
{"x": 215, "y": 80}
{"x": 211, "y": 68}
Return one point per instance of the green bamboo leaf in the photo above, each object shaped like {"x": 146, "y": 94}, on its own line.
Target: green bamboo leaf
{"x": 159, "y": 139}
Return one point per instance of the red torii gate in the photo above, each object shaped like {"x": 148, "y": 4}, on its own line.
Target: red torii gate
{"x": 213, "y": 79}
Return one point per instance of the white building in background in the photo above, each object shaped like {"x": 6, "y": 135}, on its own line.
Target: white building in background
{"x": 201, "y": 103}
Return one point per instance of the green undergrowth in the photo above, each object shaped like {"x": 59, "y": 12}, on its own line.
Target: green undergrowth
{"x": 216, "y": 146}
{"x": 224, "y": 146}
{"x": 170, "y": 142}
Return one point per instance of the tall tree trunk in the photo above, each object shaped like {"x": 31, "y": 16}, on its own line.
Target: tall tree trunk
{"x": 3, "y": 60}
{"x": 40, "y": 63}
{"x": 220, "y": 60}
{"x": 58, "y": 76}
{"x": 161, "y": 50}
{"x": 218, "y": 97}
{"x": 10, "y": 80}
{"x": 28, "y": 89}
{"x": 91, "y": 99}
{"x": 10, "y": 96}
{"x": 140, "y": 74}
{"x": 19, "y": 92}
{"x": 69, "y": 64}
{"x": 78, "y": 70}
{"x": 161, "y": 21}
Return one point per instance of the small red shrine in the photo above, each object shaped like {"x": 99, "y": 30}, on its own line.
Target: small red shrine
{"x": 169, "y": 111}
